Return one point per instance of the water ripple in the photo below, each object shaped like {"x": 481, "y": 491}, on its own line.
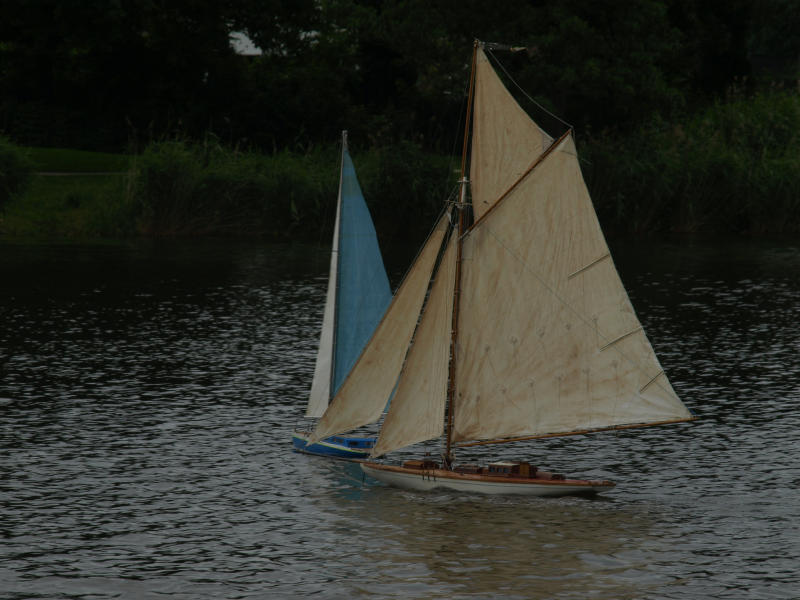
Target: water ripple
{"x": 147, "y": 394}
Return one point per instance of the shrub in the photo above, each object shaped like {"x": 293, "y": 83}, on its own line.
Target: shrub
{"x": 16, "y": 171}
{"x": 733, "y": 167}
{"x": 187, "y": 188}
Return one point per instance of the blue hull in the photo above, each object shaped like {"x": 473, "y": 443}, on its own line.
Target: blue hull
{"x": 337, "y": 446}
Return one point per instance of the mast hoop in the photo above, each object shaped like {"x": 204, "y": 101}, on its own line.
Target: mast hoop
{"x": 462, "y": 201}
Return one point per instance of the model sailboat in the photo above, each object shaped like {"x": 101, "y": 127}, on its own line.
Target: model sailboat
{"x": 358, "y": 294}
{"x": 512, "y": 324}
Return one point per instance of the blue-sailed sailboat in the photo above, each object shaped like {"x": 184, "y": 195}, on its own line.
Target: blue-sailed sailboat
{"x": 358, "y": 295}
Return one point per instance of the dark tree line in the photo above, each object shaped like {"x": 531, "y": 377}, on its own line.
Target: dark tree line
{"x": 103, "y": 74}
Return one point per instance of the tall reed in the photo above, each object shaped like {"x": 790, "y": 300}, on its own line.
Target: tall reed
{"x": 733, "y": 167}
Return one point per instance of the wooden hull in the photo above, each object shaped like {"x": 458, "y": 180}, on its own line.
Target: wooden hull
{"x": 430, "y": 479}
{"x": 338, "y": 446}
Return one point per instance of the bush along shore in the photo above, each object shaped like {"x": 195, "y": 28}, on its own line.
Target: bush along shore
{"x": 184, "y": 188}
{"x": 731, "y": 168}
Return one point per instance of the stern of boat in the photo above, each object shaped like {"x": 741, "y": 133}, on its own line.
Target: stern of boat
{"x": 336, "y": 446}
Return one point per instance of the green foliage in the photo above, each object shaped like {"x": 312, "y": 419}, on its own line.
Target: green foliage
{"x": 405, "y": 188}
{"x": 606, "y": 64}
{"x": 734, "y": 167}
{"x": 15, "y": 171}
{"x": 74, "y": 206}
{"x": 183, "y": 188}
{"x": 90, "y": 75}
{"x": 67, "y": 160}
{"x": 96, "y": 77}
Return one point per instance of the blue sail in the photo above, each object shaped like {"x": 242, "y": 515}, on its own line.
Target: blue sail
{"x": 363, "y": 292}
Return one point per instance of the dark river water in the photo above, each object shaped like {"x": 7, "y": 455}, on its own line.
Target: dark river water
{"x": 147, "y": 398}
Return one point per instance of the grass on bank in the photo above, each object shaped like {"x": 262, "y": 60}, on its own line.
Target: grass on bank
{"x": 87, "y": 198}
{"x": 733, "y": 167}
{"x": 181, "y": 188}
{"x": 68, "y": 207}
{"x": 66, "y": 160}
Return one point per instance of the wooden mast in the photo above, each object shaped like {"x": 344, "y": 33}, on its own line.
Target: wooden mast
{"x": 451, "y": 387}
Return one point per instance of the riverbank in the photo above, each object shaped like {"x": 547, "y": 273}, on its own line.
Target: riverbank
{"x": 181, "y": 188}
{"x": 732, "y": 168}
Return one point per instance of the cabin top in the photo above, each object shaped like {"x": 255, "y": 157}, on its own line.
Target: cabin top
{"x": 511, "y": 467}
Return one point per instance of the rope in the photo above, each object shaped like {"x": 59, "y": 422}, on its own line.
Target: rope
{"x": 519, "y": 87}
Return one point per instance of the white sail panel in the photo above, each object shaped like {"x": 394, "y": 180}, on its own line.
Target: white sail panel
{"x": 417, "y": 410}
{"x": 548, "y": 339}
{"x": 321, "y": 384}
{"x": 364, "y": 393}
{"x": 505, "y": 141}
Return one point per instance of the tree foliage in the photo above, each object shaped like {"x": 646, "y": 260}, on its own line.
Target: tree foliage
{"x": 102, "y": 74}
{"x": 15, "y": 171}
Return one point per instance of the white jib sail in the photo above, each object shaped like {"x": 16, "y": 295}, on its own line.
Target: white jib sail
{"x": 417, "y": 410}
{"x": 321, "y": 384}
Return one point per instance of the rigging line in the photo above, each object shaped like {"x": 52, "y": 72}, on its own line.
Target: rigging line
{"x": 574, "y": 311}
{"x": 462, "y": 110}
{"x": 325, "y": 214}
{"x": 427, "y": 237}
{"x": 519, "y": 87}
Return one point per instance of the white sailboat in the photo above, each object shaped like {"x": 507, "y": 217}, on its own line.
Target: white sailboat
{"x": 357, "y": 296}
{"x": 512, "y": 324}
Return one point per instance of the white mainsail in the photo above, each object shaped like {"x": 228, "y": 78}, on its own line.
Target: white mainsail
{"x": 505, "y": 141}
{"x": 548, "y": 339}
{"x": 364, "y": 393}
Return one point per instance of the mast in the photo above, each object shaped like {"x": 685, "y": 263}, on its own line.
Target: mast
{"x": 451, "y": 388}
